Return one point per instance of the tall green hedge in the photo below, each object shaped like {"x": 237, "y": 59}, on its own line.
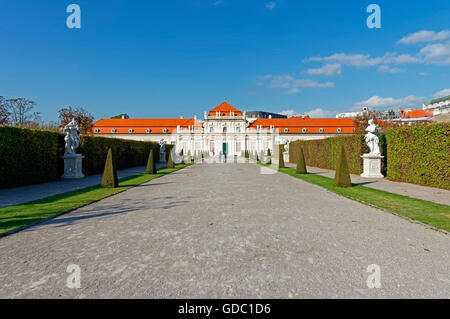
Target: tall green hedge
{"x": 420, "y": 154}
{"x": 28, "y": 156}
{"x": 126, "y": 153}
{"x": 34, "y": 156}
{"x": 323, "y": 153}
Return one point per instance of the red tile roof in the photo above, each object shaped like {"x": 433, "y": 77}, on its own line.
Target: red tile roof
{"x": 297, "y": 124}
{"x": 225, "y": 110}
{"x": 416, "y": 114}
{"x": 105, "y": 126}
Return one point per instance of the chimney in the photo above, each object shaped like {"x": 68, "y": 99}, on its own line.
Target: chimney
{"x": 181, "y": 117}
{"x": 123, "y": 116}
{"x": 270, "y": 116}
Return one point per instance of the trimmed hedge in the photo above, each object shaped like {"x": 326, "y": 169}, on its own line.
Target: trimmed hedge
{"x": 126, "y": 153}
{"x": 28, "y": 156}
{"x": 34, "y": 156}
{"x": 420, "y": 154}
{"x": 413, "y": 154}
{"x": 323, "y": 153}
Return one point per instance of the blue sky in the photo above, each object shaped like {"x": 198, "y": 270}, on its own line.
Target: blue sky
{"x": 170, "y": 58}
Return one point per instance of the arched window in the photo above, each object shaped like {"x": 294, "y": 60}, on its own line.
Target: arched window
{"x": 164, "y": 130}
{"x": 148, "y": 130}
{"x": 320, "y": 130}
{"x": 238, "y": 129}
{"x": 130, "y": 130}
{"x": 96, "y": 130}
{"x": 113, "y": 130}
{"x": 286, "y": 130}
{"x": 304, "y": 130}
{"x": 211, "y": 129}
{"x": 339, "y": 130}
{"x": 224, "y": 129}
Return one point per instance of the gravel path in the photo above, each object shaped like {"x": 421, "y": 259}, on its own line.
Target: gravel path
{"x": 224, "y": 230}
{"x": 24, "y": 194}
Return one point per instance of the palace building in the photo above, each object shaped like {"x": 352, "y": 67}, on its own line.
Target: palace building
{"x": 225, "y": 129}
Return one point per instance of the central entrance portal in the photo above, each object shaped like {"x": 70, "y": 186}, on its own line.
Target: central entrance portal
{"x": 224, "y": 148}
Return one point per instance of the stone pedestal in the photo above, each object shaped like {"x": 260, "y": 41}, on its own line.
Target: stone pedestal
{"x": 286, "y": 157}
{"x": 372, "y": 166}
{"x": 162, "y": 157}
{"x": 73, "y": 166}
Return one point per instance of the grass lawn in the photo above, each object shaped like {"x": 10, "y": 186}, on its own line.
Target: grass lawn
{"x": 430, "y": 213}
{"x": 15, "y": 217}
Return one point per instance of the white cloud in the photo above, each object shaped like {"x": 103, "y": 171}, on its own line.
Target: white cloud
{"x": 289, "y": 113}
{"x": 271, "y": 5}
{"x": 321, "y": 113}
{"x": 316, "y": 113}
{"x": 436, "y": 53}
{"x": 365, "y": 60}
{"x": 327, "y": 69}
{"x": 425, "y": 36}
{"x": 294, "y": 85}
{"x": 381, "y": 103}
{"x": 442, "y": 93}
{"x": 218, "y": 2}
{"x": 388, "y": 69}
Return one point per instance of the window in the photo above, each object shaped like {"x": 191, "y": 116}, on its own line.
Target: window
{"x": 211, "y": 129}
{"x": 130, "y": 130}
{"x": 148, "y": 130}
{"x": 113, "y": 130}
{"x": 320, "y": 130}
{"x": 238, "y": 146}
{"x": 238, "y": 129}
{"x": 303, "y": 130}
{"x": 339, "y": 130}
{"x": 96, "y": 130}
{"x": 224, "y": 129}
{"x": 164, "y": 130}
{"x": 286, "y": 130}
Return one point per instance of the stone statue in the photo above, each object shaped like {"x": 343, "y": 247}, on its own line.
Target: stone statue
{"x": 73, "y": 162}
{"x": 372, "y": 139}
{"x": 162, "y": 151}
{"x": 72, "y": 139}
{"x": 286, "y": 145}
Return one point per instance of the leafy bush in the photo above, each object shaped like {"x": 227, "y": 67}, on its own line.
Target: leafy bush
{"x": 34, "y": 156}
{"x": 301, "y": 165}
{"x": 109, "y": 178}
{"x": 342, "y": 175}
{"x": 420, "y": 154}
{"x": 323, "y": 153}
{"x": 28, "y": 156}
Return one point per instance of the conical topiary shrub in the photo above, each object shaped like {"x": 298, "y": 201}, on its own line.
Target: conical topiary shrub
{"x": 280, "y": 156}
{"x": 301, "y": 165}
{"x": 170, "y": 163}
{"x": 109, "y": 179}
{"x": 246, "y": 154}
{"x": 342, "y": 177}
{"x": 181, "y": 157}
{"x": 151, "y": 168}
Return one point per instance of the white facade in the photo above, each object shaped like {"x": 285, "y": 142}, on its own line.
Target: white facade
{"x": 230, "y": 134}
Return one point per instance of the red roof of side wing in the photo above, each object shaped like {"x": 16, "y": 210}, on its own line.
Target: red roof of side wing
{"x": 297, "y": 124}
{"x": 141, "y": 125}
{"x": 225, "y": 110}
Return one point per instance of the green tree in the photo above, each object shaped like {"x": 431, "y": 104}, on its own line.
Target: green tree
{"x": 301, "y": 164}
{"x": 110, "y": 179}
{"x": 170, "y": 163}
{"x": 280, "y": 156}
{"x": 342, "y": 176}
{"x": 151, "y": 168}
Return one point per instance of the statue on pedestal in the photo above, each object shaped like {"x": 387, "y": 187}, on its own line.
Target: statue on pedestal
{"x": 72, "y": 139}
{"x": 72, "y": 161}
{"x": 162, "y": 151}
{"x": 372, "y": 160}
{"x": 372, "y": 139}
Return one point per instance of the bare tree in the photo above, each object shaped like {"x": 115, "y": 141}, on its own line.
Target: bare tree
{"x": 4, "y": 113}
{"x": 84, "y": 119}
{"x": 22, "y": 112}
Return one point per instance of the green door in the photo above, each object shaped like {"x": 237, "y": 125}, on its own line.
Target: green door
{"x": 225, "y": 148}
